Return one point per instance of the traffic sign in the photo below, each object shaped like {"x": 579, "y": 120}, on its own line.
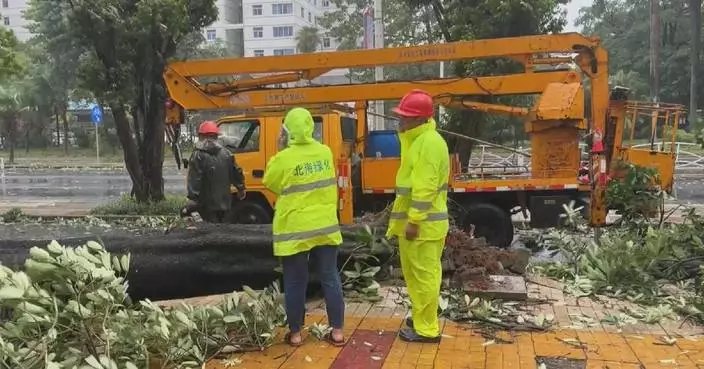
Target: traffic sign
{"x": 96, "y": 114}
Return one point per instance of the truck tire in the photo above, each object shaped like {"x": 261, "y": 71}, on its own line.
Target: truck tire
{"x": 249, "y": 212}
{"x": 490, "y": 222}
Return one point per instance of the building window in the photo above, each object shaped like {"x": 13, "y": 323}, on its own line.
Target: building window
{"x": 326, "y": 3}
{"x": 303, "y": 12}
{"x": 5, "y": 3}
{"x": 256, "y": 10}
{"x": 284, "y": 52}
{"x": 315, "y": 2}
{"x": 6, "y": 20}
{"x": 258, "y": 52}
{"x": 211, "y": 35}
{"x": 310, "y": 18}
{"x": 278, "y": 9}
{"x": 258, "y": 32}
{"x": 326, "y": 42}
{"x": 283, "y": 31}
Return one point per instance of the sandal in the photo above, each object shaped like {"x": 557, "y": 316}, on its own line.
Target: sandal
{"x": 287, "y": 339}
{"x": 328, "y": 338}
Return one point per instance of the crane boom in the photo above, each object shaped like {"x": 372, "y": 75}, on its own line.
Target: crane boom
{"x": 192, "y": 98}
{"x": 521, "y": 47}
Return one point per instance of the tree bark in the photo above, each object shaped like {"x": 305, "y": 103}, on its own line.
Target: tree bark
{"x": 11, "y": 121}
{"x": 58, "y": 128}
{"x": 64, "y": 119}
{"x": 130, "y": 152}
{"x": 153, "y": 150}
{"x": 695, "y": 8}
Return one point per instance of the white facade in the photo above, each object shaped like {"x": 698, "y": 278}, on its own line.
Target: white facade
{"x": 269, "y": 27}
{"x": 247, "y": 27}
{"x": 12, "y": 15}
{"x": 228, "y": 26}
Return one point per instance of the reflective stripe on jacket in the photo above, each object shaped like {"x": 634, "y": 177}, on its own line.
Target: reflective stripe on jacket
{"x": 421, "y": 184}
{"x": 303, "y": 178}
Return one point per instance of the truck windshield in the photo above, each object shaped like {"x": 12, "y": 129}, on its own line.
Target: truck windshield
{"x": 241, "y": 136}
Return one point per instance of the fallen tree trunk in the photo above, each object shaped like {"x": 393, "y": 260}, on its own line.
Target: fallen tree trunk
{"x": 207, "y": 259}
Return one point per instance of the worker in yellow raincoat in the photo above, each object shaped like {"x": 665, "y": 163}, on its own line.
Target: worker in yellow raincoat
{"x": 302, "y": 175}
{"x": 419, "y": 216}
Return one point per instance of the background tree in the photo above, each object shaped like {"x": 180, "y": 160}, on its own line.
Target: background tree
{"x": 11, "y": 73}
{"x": 308, "y": 39}
{"x": 695, "y": 15}
{"x": 10, "y": 59}
{"x": 417, "y": 22}
{"x": 624, "y": 27}
{"x": 408, "y": 26}
{"x": 124, "y": 47}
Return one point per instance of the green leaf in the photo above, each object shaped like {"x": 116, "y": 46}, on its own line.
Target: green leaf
{"x": 351, "y": 274}
{"x": 94, "y": 246}
{"x": 370, "y": 272}
{"x": 10, "y": 293}
{"x": 93, "y": 362}
{"x": 232, "y": 319}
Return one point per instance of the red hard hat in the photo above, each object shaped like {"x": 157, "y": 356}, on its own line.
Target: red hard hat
{"x": 208, "y": 128}
{"x": 416, "y": 103}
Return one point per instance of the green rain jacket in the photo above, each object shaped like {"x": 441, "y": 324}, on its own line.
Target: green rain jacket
{"x": 421, "y": 184}
{"x": 211, "y": 170}
{"x": 303, "y": 177}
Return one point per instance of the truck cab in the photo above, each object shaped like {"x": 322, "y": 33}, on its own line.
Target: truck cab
{"x": 252, "y": 138}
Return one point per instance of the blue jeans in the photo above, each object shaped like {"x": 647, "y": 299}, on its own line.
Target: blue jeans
{"x": 296, "y": 280}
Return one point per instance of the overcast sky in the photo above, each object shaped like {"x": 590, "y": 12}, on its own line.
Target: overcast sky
{"x": 573, "y": 11}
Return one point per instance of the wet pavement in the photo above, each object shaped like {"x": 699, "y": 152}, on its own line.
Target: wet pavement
{"x": 88, "y": 185}
{"x": 73, "y": 190}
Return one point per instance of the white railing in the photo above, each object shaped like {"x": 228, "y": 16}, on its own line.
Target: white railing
{"x": 486, "y": 157}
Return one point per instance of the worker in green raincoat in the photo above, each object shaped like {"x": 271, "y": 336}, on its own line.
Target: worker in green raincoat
{"x": 419, "y": 216}
{"x": 302, "y": 175}
{"x": 211, "y": 171}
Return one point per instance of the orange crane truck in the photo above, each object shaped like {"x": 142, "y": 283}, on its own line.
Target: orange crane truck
{"x": 367, "y": 161}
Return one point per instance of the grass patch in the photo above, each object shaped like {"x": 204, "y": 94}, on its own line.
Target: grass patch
{"x": 128, "y": 206}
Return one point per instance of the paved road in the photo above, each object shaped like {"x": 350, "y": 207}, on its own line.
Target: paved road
{"x": 108, "y": 184}
{"x": 51, "y": 191}
{"x": 70, "y": 192}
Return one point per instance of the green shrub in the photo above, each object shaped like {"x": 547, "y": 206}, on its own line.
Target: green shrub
{"x": 680, "y": 136}
{"x": 129, "y": 206}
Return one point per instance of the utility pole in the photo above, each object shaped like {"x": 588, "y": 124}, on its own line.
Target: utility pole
{"x": 695, "y": 7}
{"x": 379, "y": 70}
{"x": 655, "y": 50}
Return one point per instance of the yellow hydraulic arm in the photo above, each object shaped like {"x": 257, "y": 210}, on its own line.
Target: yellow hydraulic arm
{"x": 191, "y": 98}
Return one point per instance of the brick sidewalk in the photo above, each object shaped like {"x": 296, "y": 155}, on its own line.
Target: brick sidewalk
{"x": 579, "y": 335}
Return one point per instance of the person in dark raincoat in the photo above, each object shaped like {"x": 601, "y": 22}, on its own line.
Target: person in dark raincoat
{"x": 211, "y": 171}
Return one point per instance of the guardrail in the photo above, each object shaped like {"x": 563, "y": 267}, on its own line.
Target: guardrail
{"x": 485, "y": 157}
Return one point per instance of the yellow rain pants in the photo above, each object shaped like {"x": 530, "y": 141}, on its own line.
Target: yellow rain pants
{"x": 422, "y": 270}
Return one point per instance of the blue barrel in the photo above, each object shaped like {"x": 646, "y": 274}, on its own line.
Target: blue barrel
{"x": 384, "y": 142}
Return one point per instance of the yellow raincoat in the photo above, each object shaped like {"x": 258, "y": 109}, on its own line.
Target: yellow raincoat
{"x": 303, "y": 177}
{"x": 421, "y": 198}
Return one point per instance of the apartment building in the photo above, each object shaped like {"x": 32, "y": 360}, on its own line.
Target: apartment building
{"x": 246, "y": 27}
{"x": 270, "y": 27}
{"x": 12, "y": 15}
